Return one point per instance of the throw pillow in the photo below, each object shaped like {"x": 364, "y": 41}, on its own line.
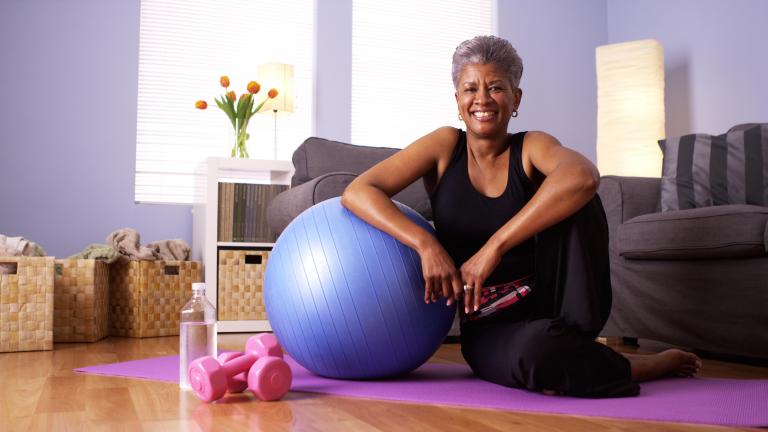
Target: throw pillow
{"x": 701, "y": 170}
{"x": 743, "y": 126}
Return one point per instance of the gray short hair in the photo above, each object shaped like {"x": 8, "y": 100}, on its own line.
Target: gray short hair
{"x": 488, "y": 50}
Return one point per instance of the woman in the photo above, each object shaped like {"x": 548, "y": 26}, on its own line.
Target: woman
{"x": 519, "y": 215}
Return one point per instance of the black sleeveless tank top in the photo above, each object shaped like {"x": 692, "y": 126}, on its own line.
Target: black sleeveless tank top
{"x": 465, "y": 219}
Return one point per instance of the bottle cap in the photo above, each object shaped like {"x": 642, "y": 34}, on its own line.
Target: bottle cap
{"x": 198, "y": 286}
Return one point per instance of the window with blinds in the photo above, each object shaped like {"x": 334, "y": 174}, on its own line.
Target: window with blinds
{"x": 185, "y": 46}
{"x": 401, "y": 65}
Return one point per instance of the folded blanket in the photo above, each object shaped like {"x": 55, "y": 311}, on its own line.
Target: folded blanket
{"x": 127, "y": 242}
{"x": 17, "y": 246}
{"x": 26, "y": 247}
{"x": 97, "y": 251}
{"x": 171, "y": 250}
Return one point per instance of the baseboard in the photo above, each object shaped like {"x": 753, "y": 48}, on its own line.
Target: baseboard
{"x": 732, "y": 358}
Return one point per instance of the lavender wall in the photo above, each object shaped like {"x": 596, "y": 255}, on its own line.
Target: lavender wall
{"x": 715, "y": 61}
{"x": 557, "y": 40}
{"x": 68, "y": 125}
{"x": 333, "y": 74}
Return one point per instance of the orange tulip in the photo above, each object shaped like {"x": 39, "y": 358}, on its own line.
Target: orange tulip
{"x": 253, "y": 87}
{"x": 231, "y": 96}
{"x": 242, "y": 96}
{"x": 201, "y": 104}
{"x": 224, "y": 80}
{"x": 272, "y": 93}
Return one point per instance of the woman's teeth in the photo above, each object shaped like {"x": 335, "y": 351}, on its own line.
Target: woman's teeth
{"x": 482, "y": 114}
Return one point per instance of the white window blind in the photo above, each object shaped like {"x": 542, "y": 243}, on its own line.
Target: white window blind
{"x": 401, "y": 65}
{"x": 185, "y": 46}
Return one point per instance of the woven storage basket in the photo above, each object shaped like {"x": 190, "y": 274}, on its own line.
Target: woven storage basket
{"x": 81, "y": 302}
{"x": 26, "y": 305}
{"x": 241, "y": 285}
{"x": 145, "y": 297}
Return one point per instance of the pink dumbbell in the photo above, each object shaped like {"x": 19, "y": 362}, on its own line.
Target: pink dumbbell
{"x": 269, "y": 376}
{"x": 239, "y": 382}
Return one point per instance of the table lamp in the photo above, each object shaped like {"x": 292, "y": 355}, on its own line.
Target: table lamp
{"x": 279, "y": 76}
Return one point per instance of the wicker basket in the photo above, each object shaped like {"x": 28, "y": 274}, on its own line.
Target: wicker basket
{"x": 241, "y": 285}
{"x": 26, "y": 304}
{"x": 81, "y": 302}
{"x": 145, "y": 297}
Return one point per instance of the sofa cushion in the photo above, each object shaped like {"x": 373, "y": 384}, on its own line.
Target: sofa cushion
{"x": 727, "y": 231}
{"x": 318, "y": 156}
{"x": 701, "y": 170}
{"x": 289, "y": 204}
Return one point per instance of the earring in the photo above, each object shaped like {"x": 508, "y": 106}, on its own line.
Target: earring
{"x": 514, "y": 113}
{"x": 460, "y": 119}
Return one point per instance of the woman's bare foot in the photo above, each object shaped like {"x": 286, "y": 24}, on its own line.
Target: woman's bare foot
{"x": 669, "y": 363}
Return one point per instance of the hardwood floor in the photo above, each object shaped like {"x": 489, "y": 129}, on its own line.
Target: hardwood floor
{"x": 39, "y": 391}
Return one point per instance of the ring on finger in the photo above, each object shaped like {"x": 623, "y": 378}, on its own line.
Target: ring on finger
{"x": 467, "y": 287}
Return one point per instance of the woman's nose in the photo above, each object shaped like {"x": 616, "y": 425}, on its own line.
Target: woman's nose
{"x": 481, "y": 96}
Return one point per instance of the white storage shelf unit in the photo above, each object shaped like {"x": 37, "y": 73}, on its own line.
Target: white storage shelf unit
{"x": 205, "y": 244}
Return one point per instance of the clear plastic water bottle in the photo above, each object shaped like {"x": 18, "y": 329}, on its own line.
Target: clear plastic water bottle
{"x": 197, "y": 336}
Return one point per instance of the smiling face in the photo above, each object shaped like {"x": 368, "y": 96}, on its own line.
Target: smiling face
{"x": 486, "y": 99}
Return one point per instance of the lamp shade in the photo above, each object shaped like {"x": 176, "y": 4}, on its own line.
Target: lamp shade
{"x": 279, "y": 76}
{"x": 630, "y": 108}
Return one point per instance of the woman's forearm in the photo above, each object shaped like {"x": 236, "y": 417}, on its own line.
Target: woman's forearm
{"x": 561, "y": 194}
{"x": 375, "y": 207}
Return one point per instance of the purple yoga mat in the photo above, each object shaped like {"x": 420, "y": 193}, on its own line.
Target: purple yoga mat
{"x": 709, "y": 401}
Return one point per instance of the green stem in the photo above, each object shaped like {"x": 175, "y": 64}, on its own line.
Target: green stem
{"x": 241, "y": 140}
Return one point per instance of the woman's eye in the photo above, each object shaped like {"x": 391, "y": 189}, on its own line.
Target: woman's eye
{"x": 495, "y": 89}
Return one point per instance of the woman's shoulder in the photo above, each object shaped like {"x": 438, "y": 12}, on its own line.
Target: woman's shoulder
{"x": 535, "y": 146}
{"x": 440, "y": 142}
{"x": 447, "y": 136}
{"x": 538, "y": 141}
{"x": 451, "y": 139}
{"x": 437, "y": 147}
{"x": 536, "y": 136}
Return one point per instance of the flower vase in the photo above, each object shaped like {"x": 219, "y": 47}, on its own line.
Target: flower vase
{"x": 241, "y": 140}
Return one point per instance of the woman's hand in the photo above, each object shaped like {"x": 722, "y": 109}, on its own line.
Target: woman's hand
{"x": 440, "y": 275}
{"x": 369, "y": 197}
{"x": 475, "y": 271}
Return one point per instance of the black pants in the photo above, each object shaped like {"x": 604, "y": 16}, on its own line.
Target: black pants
{"x": 546, "y": 341}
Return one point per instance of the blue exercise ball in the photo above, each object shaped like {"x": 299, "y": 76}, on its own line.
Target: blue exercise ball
{"x": 346, "y": 300}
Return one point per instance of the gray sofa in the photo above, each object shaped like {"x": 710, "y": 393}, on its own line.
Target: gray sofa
{"x": 696, "y": 278}
{"x": 323, "y": 168}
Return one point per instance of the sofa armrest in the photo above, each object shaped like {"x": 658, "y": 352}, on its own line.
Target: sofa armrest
{"x": 287, "y": 205}
{"x": 627, "y": 197}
